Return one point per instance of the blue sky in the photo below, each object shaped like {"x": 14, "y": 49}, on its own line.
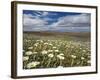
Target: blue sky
{"x": 55, "y": 21}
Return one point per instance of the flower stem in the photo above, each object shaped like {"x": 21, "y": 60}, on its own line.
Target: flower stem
{"x": 49, "y": 61}
{"x": 82, "y": 63}
{"x": 72, "y": 62}
{"x": 60, "y": 62}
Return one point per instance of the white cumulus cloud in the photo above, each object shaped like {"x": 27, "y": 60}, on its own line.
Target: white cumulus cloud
{"x": 30, "y": 22}
{"x": 82, "y": 20}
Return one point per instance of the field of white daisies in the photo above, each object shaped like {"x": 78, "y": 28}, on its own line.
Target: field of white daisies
{"x": 49, "y": 53}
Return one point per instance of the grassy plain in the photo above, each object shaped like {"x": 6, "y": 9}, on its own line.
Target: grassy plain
{"x": 56, "y": 49}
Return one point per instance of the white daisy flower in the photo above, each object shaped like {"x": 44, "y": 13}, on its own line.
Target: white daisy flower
{"x": 51, "y": 44}
{"x": 30, "y": 48}
{"x": 28, "y": 40}
{"x": 45, "y": 43}
{"x": 29, "y": 53}
{"x": 60, "y": 57}
{"x": 50, "y": 55}
{"x": 32, "y": 64}
{"x": 80, "y": 48}
{"x": 37, "y": 40}
{"x": 54, "y": 47}
{"x": 60, "y": 67}
{"x": 36, "y": 44}
{"x": 84, "y": 50}
{"x": 88, "y": 61}
{"x": 82, "y": 58}
{"x": 25, "y": 58}
{"x": 48, "y": 40}
{"x": 35, "y": 52}
{"x": 44, "y": 52}
{"x": 56, "y": 50}
{"x": 50, "y": 50}
{"x": 73, "y": 56}
{"x": 61, "y": 54}
{"x": 41, "y": 41}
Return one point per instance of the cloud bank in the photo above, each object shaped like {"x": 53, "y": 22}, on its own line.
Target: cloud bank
{"x": 51, "y": 21}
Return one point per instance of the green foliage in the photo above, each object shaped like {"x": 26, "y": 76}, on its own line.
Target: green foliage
{"x": 55, "y": 53}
